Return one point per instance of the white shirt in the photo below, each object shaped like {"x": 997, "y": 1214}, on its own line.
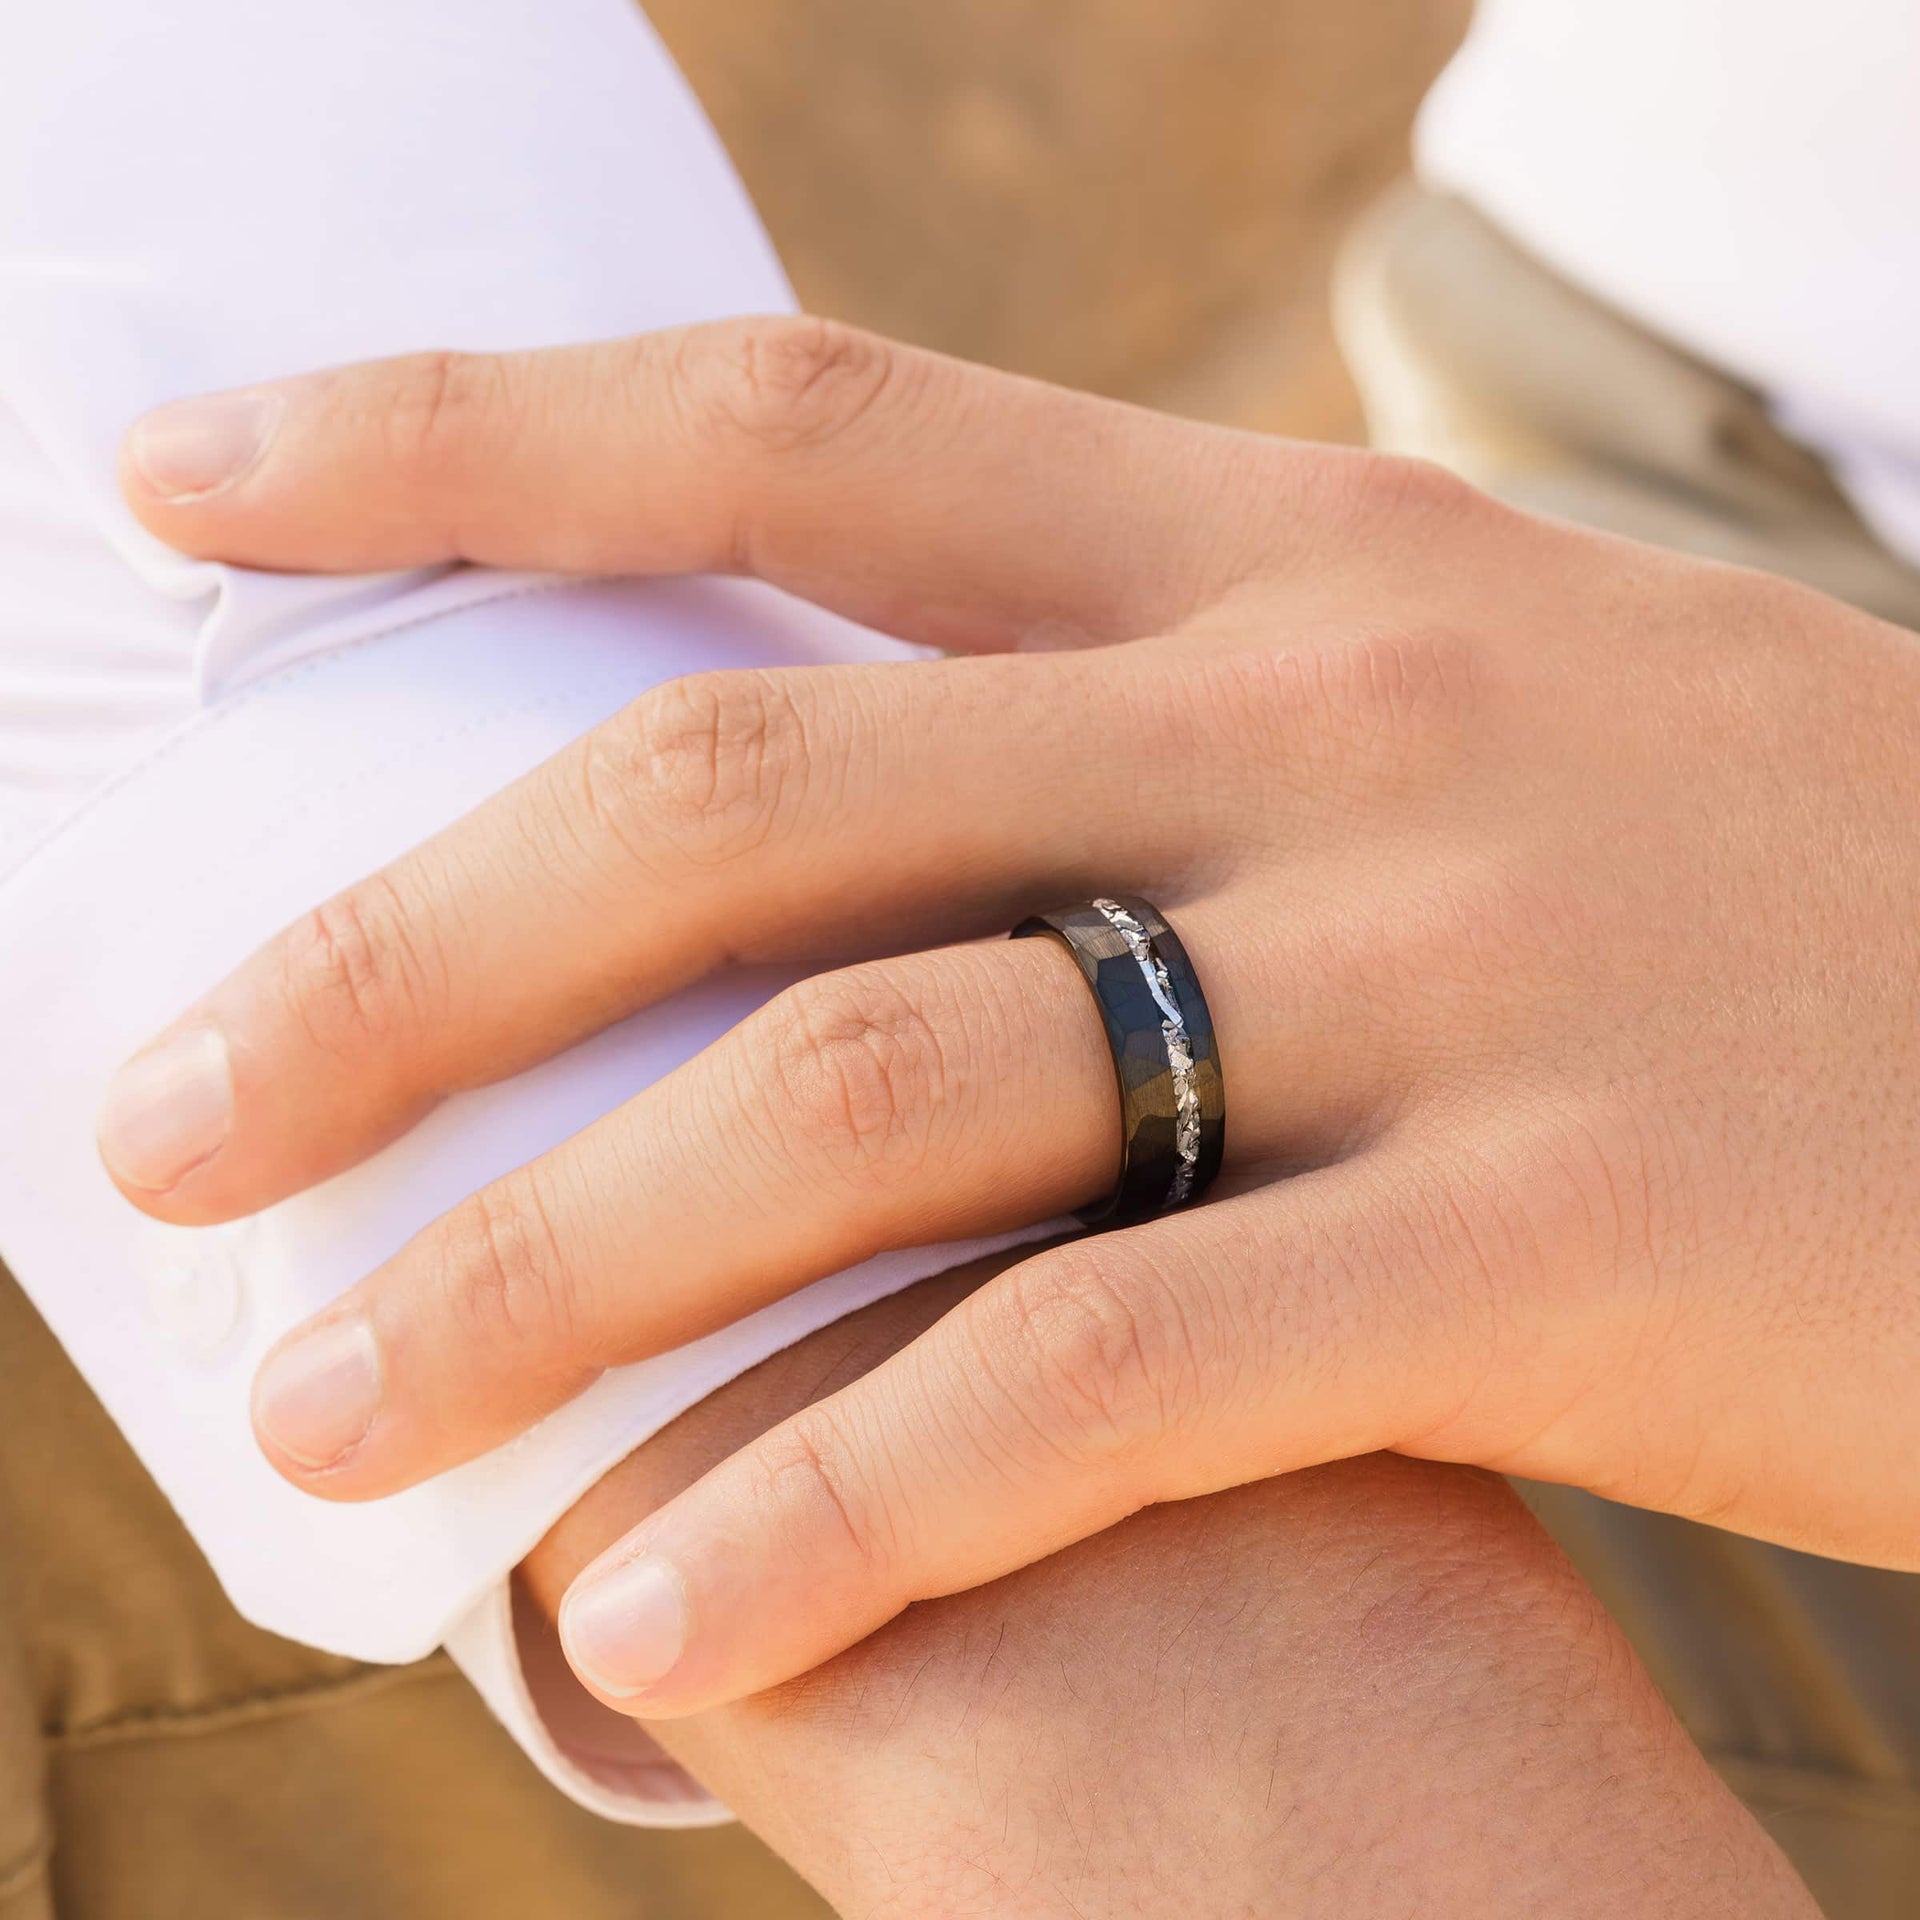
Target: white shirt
{"x": 1742, "y": 176}
{"x": 214, "y": 192}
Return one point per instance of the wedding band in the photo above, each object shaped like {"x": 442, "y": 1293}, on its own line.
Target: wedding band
{"x": 1173, "y": 1108}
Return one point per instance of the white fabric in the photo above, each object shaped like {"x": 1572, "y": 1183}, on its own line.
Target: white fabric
{"x": 195, "y": 196}
{"x": 1741, "y": 175}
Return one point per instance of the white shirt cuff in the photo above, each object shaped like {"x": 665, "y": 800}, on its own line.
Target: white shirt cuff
{"x": 598, "y": 1758}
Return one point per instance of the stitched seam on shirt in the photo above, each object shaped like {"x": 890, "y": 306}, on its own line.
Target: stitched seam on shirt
{"x": 204, "y": 722}
{"x": 240, "y": 1710}
{"x": 311, "y": 800}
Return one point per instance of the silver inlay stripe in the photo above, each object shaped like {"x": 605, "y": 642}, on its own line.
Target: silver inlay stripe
{"x": 1179, "y": 1044}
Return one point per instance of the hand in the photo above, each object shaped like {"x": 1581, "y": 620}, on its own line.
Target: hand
{"x": 1554, "y": 898}
{"x": 1373, "y": 1688}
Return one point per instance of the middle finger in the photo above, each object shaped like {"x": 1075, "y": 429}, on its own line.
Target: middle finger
{"x": 802, "y": 815}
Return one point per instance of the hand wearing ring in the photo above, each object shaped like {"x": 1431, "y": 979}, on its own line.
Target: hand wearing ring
{"x": 1553, "y": 901}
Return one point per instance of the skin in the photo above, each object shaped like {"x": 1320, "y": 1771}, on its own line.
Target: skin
{"x": 1370, "y": 1688}
{"x": 1552, "y": 895}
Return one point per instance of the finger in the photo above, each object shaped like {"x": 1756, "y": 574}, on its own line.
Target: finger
{"x": 745, "y": 817}
{"x": 736, "y": 1413}
{"x": 1326, "y": 1318}
{"x": 938, "y": 1097}
{"x": 932, "y": 1098}
{"x": 936, "y": 500}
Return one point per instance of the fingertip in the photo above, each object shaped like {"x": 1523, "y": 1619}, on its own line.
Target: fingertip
{"x": 624, "y": 1628}
{"x": 168, "y": 1113}
{"x": 724, "y": 1593}
{"x": 191, "y": 451}
{"x": 316, "y": 1399}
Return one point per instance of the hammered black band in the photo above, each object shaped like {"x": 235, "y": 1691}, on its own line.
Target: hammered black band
{"x": 1173, "y": 1105}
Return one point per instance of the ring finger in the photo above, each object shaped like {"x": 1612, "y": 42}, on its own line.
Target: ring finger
{"x": 939, "y": 1096}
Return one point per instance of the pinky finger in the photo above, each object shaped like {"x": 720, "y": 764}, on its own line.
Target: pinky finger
{"x": 1258, "y": 1334}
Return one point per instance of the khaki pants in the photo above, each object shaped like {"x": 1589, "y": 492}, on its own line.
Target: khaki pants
{"x": 162, "y": 1760}
{"x": 1799, "y": 1677}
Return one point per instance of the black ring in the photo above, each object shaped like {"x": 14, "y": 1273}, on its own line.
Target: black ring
{"x": 1173, "y": 1103}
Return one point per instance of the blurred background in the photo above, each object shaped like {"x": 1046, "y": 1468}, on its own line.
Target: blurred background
{"x": 1138, "y": 196}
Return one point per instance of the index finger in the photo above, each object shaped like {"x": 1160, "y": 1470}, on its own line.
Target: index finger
{"x": 939, "y": 501}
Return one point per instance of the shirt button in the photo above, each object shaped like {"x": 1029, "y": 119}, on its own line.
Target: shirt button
{"x": 197, "y": 1301}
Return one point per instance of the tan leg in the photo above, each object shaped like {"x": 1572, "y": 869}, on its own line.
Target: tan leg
{"x": 26, "y": 1831}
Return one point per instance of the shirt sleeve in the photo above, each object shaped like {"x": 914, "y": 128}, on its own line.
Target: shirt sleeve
{"x": 194, "y": 197}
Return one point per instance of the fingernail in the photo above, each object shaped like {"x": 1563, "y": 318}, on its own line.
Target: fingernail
{"x": 315, "y": 1397}
{"x": 168, "y": 1110}
{"x": 189, "y": 449}
{"x": 626, "y": 1628}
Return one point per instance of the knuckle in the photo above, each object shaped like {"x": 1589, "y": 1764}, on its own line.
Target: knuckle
{"x": 1486, "y": 939}
{"x": 795, "y": 383}
{"x": 1359, "y": 707}
{"x": 855, "y": 1068}
{"x": 361, "y": 968}
{"x": 701, "y": 768}
{"x": 430, "y": 404}
{"x": 810, "y": 1474}
{"x": 1094, "y": 1354}
{"x": 1517, "y": 924}
{"x": 504, "y": 1280}
{"x": 1408, "y": 491}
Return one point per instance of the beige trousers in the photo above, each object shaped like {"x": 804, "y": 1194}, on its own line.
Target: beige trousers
{"x": 1799, "y": 1677}
{"x": 162, "y": 1760}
